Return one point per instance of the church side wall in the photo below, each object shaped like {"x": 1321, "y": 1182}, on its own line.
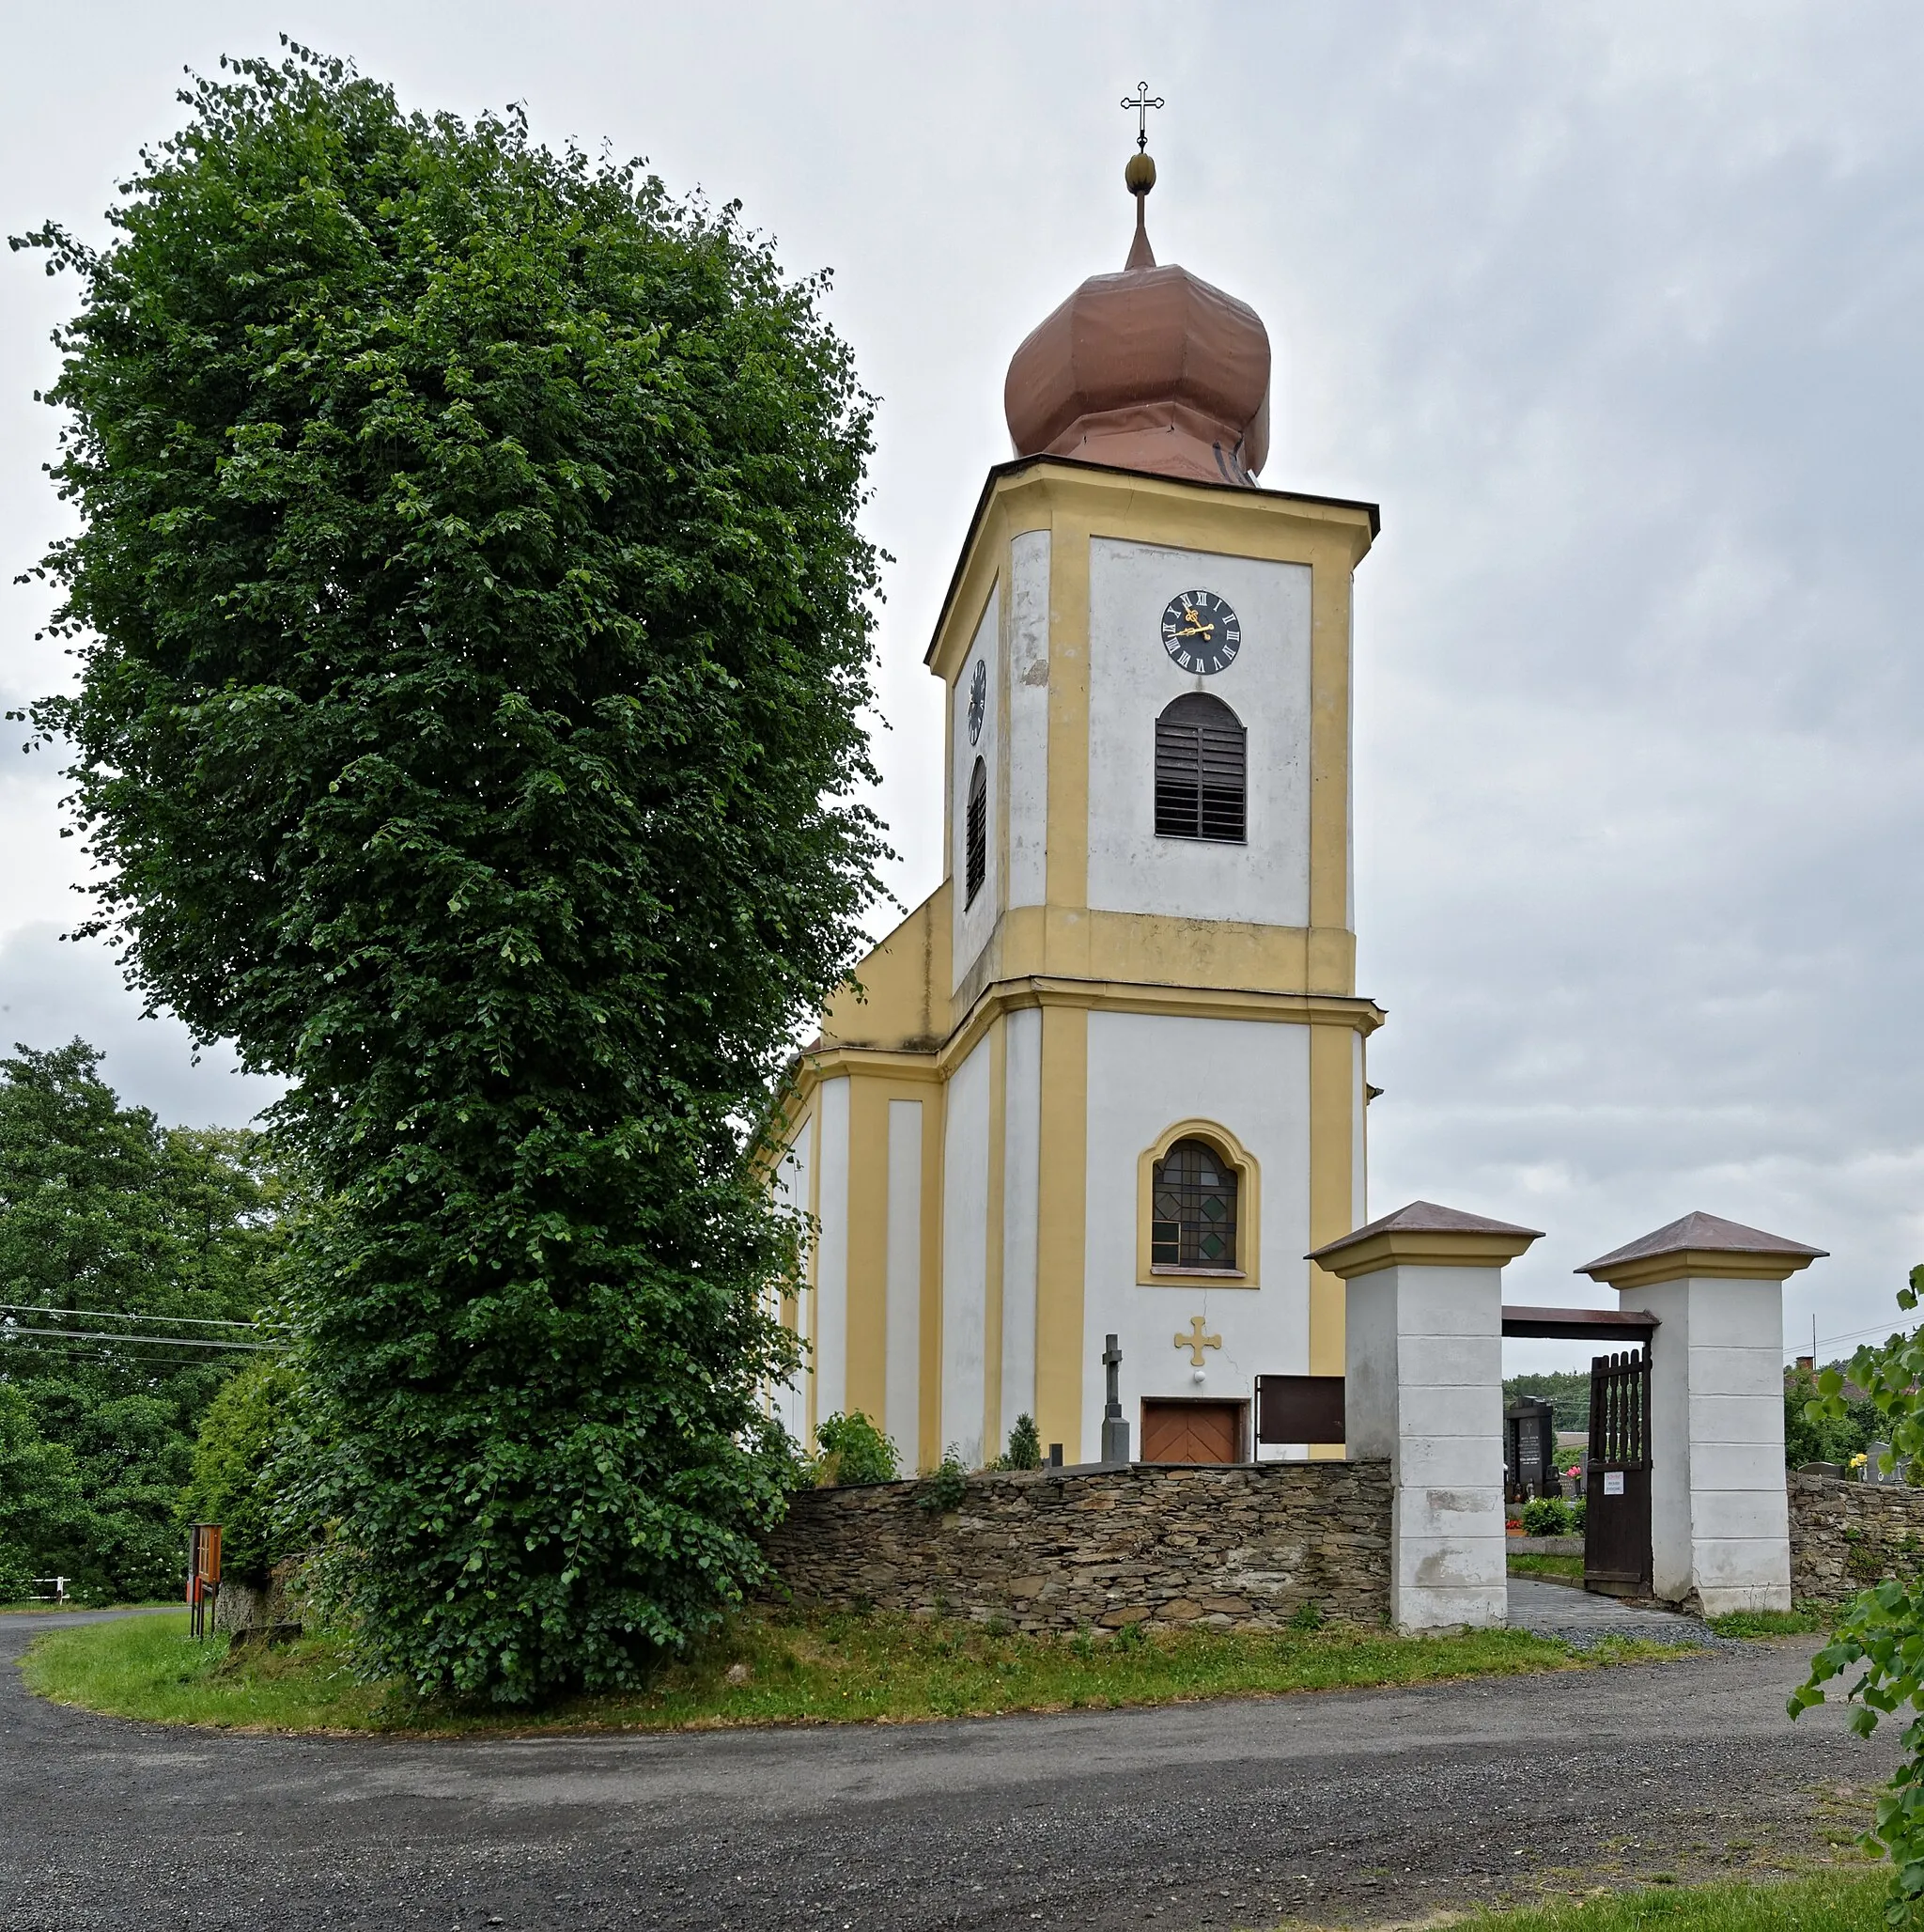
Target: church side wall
{"x": 1251, "y": 1078}
{"x": 965, "y": 1253}
{"x": 1132, "y": 678}
{"x": 1167, "y": 1546}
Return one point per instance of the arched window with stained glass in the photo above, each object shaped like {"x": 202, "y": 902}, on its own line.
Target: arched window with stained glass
{"x": 1193, "y": 1213}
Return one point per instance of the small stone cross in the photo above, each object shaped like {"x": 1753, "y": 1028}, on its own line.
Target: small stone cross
{"x": 1112, "y": 1361}
{"x": 1196, "y": 1341}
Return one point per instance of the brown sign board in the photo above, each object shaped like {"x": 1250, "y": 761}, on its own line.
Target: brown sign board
{"x": 1300, "y": 1408}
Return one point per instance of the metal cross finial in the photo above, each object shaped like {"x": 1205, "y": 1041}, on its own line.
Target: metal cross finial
{"x": 1142, "y": 100}
{"x": 1196, "y": 1341}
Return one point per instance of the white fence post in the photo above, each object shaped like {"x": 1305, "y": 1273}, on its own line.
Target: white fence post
{"x": 1720, "y": 1527}
{"x": 1424, "y": 1364}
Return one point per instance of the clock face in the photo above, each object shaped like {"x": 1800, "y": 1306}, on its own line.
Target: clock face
{"x": 1201, "y": 632}
{"x": 978, "y": 700}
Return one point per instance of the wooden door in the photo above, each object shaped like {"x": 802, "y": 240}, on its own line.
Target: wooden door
{"x": 1616, "y": 1486}
{"x": 1178, "y": 1431}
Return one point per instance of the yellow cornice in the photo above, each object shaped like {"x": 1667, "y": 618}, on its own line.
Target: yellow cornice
{"x": 1116, "y": 996}
{"x": 817, "y": 1063}
{"x": 1031, "y": 492}
{"x": 1647, "y": 1271}
{"x": 1426, "y": 1248}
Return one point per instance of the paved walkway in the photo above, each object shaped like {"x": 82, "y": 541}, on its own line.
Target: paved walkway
{"x": 1346, "y": 1807}
{"x": 1577, "y": 1616}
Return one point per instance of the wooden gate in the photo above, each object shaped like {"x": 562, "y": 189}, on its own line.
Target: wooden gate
{"x": 1616, "y": 1518}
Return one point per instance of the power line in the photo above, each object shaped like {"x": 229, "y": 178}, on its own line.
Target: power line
{"x": 12, "y": 1332}
{"x": 114, "y": 1314}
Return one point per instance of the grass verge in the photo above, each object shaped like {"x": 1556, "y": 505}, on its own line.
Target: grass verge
{"x": 1526, "y": 1563}
{"x": 1837, "y": 1902}
{"x": 1800, "y": 1621}
{"x": 780, "y": 1670}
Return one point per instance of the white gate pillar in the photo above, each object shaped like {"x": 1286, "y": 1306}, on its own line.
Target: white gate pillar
{"x": 1424, "y": 1345}
{"x": 1720, "y": 1524}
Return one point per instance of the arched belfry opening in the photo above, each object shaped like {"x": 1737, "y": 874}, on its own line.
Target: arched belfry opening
{"x": 1201, "y": 770}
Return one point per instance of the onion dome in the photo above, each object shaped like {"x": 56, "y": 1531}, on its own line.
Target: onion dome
{"x": 1149, "y": 370}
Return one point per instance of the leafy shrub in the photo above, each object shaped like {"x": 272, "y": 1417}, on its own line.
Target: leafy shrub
{"x": 474, "y": 634}
{"x": 946, "y": 1487}
{"x": 1546, "y": 1515}
{"x": 1307, "y": 1615}
{"x": 851, "y": 1449}
{"x": 234, "y": 1470}
{"x": 1025, "y": 1445}
{"x": 46, "y": 1528}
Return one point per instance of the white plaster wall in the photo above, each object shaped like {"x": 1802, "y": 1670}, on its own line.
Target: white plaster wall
{"x": 1021, "y": 1175}
{"x": 831, "y": 1254}
{"x": 1131, "y": 678}
{"x": 1145, "y": 1072}
{"x": 965, "y": 1253}
{"x": 1719, "y": 1507}
{"x": 1026, "y": 790}
{"x": 974, "y": 923}
{"x": 790, "y": 1399}
{"x": 902, "y": 1340}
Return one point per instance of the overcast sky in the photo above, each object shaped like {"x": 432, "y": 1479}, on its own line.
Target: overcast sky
{"x": 1615, "y": 309}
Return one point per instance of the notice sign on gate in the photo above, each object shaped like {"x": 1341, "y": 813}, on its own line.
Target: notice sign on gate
{"x": 1613, "y": 1482}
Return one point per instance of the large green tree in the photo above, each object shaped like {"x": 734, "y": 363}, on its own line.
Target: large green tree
{"x": 106, "y": 1215}
{"x": 474, "y": 629}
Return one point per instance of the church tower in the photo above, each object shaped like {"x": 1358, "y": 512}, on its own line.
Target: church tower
{"x": 1108, "y": 1078}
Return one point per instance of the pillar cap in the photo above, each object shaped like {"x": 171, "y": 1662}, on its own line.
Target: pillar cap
{"x": 1702, "y": 1245}
{"x": 1425, "y": 1236}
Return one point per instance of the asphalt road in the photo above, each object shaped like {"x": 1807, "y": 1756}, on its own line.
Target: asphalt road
{"x": 1334, "y": 1808}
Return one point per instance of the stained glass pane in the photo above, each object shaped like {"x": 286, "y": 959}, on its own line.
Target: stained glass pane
{"x": 1193, "y": 1205}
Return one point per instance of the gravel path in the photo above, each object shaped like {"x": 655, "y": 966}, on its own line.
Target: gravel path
{"x": 1338, "y": 1808}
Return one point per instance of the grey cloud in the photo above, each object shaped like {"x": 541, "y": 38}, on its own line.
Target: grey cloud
{"x": 1612, "y": 307}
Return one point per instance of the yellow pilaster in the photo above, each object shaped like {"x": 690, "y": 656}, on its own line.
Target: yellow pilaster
{"x": 992, "y": 1259}
{"x": 1062, "y": 1227}
{"x": 935, "y": 1128}
{"x": 1331, "y": 1152}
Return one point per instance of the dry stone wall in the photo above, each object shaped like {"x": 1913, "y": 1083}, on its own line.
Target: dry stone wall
{"x": 1846, "y": 1535}
{"x": 1239, "y": 1548}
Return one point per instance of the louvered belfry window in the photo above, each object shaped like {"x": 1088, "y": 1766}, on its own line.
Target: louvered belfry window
{"x": 1202, "y": 763}
{"x": 1193, "y": 1215}
{"x": 976, "y": 860}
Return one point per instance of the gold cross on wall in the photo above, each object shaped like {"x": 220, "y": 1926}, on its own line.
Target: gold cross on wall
{"x": 1196, "y": 1341}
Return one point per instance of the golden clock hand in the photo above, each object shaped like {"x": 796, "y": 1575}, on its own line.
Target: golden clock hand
{"x": 1198, "y": 630}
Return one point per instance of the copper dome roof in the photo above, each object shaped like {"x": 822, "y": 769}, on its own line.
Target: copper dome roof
{"x": 1149, "y": 370}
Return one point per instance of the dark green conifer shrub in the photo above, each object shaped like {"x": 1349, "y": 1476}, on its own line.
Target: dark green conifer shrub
{"x": 1025, "y": 1445}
